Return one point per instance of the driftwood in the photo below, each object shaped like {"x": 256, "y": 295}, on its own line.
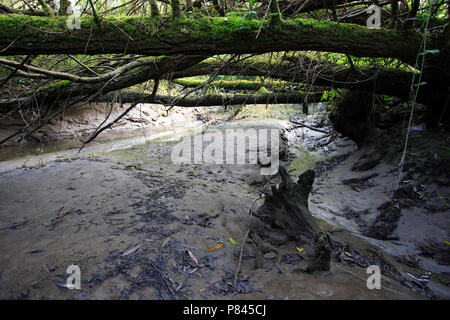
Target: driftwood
{"x": 287, "y": 208}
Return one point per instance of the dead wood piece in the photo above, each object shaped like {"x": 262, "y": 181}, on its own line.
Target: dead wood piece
{"x": 15, "y": 225}
{"x": 361, "y": 179}
{"x": 289, "y": 204}
{"x": 322, "y": 254}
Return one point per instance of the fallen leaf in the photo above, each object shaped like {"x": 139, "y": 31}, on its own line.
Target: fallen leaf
{"x": 216, "y": 247}
{"x": 233, "y": 241}
{"x": 132, "y": 250}
{"x": 193, "y": 257}
{"x": 193, "y": 270}
{"x": 300, "y": 249}
{"x": 179, "y": 287}
{"x": 202, "y": 289}
{"x": 447, "y": 242}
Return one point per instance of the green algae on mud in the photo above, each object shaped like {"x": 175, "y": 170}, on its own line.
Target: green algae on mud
{"x": 302, "y": 162}
{"x": 278, "y": 112}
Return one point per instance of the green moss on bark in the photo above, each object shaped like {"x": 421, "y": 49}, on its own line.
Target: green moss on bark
{"x": 275, "y": 18}
{"x": 154, "y": 36}
{"x": 239, "y": 84}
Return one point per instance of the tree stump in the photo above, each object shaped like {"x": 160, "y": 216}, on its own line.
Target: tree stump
{"x": 287, "y": 208}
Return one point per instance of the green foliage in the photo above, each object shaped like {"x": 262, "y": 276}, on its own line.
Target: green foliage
{"x": 258, "y": 111}
{"x": 332, "y": 95}
{"x": 227, "y": 82}
{"x": 250, "y": 15}
{"x": 302, "y": 162}
{"x": 388, "y": 99}
{"x": 55, "y": 85}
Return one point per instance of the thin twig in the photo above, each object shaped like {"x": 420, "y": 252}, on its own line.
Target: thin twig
{"x": 109, "y": 125}
{"x": 241, "y": 253}
{"x": 301, "y": 124}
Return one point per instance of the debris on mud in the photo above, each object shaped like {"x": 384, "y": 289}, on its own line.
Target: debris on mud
{"x": 385, "y": 223}
{"x": 367, "y": 162}
{"x": 225, "y": 286}
{"x": 349, "y": 256}
{"x": 440, "y": 252}
{"x": 361, "y": 182}
{"x": 291, "y": 258}
{"x": 409, "y": 260}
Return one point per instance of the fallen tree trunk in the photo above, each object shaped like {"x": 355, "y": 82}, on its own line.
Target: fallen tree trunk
{"x": 380, "y": 81}
{"x": 22, "y": 35}
{"x": 241, "y": 85}
{"x": 214, "y": 99}
{"x": 433, "y": 92}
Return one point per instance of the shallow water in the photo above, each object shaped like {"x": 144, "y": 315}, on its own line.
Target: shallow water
{"x": 32, "y": 156}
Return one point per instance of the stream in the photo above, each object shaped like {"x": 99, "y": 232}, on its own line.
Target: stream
{"x": 141, "y": 227}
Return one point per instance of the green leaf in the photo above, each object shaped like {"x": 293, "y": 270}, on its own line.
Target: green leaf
{"x": 420, "y": 18}
{"x": 431, "y": 51}
{"x": 233, "y": 241}
{"x": 250, "y": 15}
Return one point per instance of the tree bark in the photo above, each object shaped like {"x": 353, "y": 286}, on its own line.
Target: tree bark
{"x": 289, "y": 207}
{"x": 275, "y": 10}
{"x": 22, "y": 35}
{"x": 214, "y": 99}
{"x": 176, "y": 9}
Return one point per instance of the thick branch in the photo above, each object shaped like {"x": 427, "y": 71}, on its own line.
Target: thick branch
{"x": 66, "y": 90}
{"x": 75, "y": 78}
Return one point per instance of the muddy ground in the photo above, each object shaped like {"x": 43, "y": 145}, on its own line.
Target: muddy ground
{"x": 140, "y": 227}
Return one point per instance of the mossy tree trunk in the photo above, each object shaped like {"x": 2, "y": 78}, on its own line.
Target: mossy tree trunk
{"x": 412, "y": 14}
{"x": 214, "y": 99}
{"x": 275, "y": 18}
{"x": 202, "y": 36}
